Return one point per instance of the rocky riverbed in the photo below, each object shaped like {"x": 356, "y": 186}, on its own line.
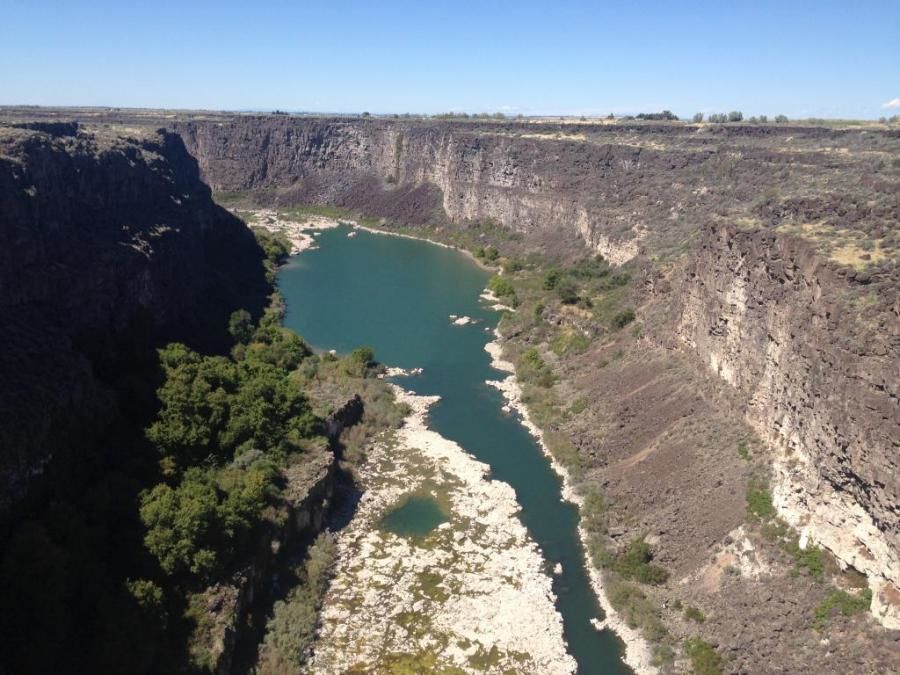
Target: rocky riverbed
{"x": 472, "y": 594}
{"x": 299, "y": 231}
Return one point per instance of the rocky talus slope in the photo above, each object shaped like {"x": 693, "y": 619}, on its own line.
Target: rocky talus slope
{"x": 102, "y": 235}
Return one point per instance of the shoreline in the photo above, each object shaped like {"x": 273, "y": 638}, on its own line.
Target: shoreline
{"x": 295, "y": 231}
{"x": 638, "y": 654}
{"x": 465, "y": 252}
{"x": 298, "y": 232}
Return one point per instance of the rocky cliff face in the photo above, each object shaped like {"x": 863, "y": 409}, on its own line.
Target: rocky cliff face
{"x": 101, "y": 235}
{"x": 415, "y": 172}
{"x": 815, "y": 358}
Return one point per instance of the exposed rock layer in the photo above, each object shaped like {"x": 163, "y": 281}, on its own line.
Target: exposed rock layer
{"x": 820, "y": 385}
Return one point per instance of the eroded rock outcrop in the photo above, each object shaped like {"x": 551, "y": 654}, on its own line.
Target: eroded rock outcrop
{"x": 816, "y": 360}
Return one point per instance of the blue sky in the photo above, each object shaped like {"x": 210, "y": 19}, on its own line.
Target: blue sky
{"x": 823, "y": 59}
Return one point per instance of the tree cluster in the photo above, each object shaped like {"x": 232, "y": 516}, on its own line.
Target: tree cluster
{"x": 665, "y": 115}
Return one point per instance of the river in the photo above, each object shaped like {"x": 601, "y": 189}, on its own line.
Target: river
{"x": 397, "y": 296}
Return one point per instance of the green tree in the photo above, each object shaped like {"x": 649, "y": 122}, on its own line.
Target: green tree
{"x": 195, "y": 402}
{"x": 240, "y": 325}
{"x": 698, "y": 117}
{"x": 181, "y": 525}
{"x": 735, "y": 116}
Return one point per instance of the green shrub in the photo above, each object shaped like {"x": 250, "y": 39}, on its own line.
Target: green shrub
{"x": 636, "y": 609}
{"x": 847, "y": 604}
{"x": 693, "y": 614}
{"x": 594, "y": 267}
{"x": 290, "y": 631}
{"x": 594, "y": 512}
{"x": 810, "y": 559}
{"x": 635, "y": 562}
{"x": 578, "y": 406}
{"x": 705, "y": 660}
{"x": 567, "y": 292}
{"x": 532, "y": 369}
{"x": 276, "y": 248}
{"x": 623, "y": 318}
{"x": 501, "y": 286}
{"x": 565, "y": 453}
{"x": 743, "y": 451}
{"x": 570, "y": 340}
{"x": 514, "y": 265}
{"x": 663, "y": 654}
{"x": 551, "y": 278}
{"x": 759, "y": 499}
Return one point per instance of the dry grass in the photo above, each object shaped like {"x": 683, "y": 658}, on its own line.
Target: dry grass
{"x": 847, "y": 247}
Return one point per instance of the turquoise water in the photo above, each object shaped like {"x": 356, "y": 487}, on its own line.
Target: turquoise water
{"x": 415, "y": 517}
{"x": 395, "y": 295}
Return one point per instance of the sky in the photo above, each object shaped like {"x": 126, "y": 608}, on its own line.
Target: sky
{"x": 560, "y": 57}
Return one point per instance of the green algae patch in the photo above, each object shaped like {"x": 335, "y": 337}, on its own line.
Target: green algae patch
{"x": 415, "y": 516}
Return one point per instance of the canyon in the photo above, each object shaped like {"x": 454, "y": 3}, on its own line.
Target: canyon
{"x": 767, "y": 313}
{"x": 764, "y": 260}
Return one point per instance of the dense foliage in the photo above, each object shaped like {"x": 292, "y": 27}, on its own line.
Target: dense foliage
{"x": 503, "y": 289}
{"x": 214, "y": 408}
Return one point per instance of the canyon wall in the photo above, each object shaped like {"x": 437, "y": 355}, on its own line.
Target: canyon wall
{"x": 431, "y": 171}
{"x": 815, "y": 358}
{"x": 102, "y": 236}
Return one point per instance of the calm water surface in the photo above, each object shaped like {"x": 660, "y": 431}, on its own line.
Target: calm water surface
{"x": 415, "y": 517}
{"x": 395, "y": 295}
